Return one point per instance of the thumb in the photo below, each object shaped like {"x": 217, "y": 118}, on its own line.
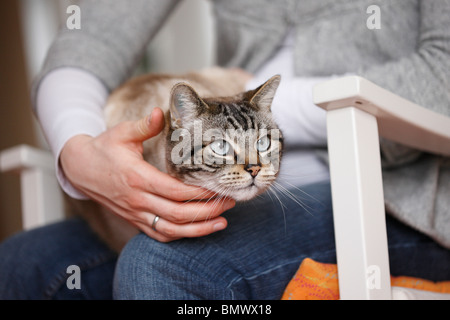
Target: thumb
{"x": 147, "y": 127}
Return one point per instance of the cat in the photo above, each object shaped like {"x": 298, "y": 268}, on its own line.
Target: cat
{"x": 216, "y": 136}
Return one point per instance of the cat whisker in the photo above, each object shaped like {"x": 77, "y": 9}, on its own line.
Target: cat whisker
{"x": 195, "y": 188}
{"x": 213, "y": 197}
{"x": 283, "y": 207}
{"x": 287, "y": 193}
{"x": 299, "y": 189}
{"x": 216, "y": 202}
{"x": 222, "y": 195}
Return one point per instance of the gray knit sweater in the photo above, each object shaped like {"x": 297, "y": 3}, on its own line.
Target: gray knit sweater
{"x": 409, "y": 55}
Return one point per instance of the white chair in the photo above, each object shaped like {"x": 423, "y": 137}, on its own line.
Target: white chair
{"x": 41, "y": 198}
{"x": 356, "y": 110}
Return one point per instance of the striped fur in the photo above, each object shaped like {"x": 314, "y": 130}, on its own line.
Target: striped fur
{"x": 240, "y": 120}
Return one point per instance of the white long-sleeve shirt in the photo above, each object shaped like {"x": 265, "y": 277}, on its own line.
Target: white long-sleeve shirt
{"x": 70, "y": 102}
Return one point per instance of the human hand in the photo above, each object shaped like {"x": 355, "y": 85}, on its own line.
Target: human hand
{"x": 110, "y": 169}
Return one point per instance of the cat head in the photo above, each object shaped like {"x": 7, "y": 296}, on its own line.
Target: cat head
{"x": 230, "y": 145}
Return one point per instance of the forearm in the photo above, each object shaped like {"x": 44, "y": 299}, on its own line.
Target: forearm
{"x": 69, "y": 103}
{"x": 67, "y": 100}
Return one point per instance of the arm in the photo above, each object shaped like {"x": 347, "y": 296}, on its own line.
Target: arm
{"x": 111, "y": 40}
{"x": 107, "y": 166}
{"x": 69, "y": 102}
{"x": 424, "y": 76}
{"x": 82, "y": 66}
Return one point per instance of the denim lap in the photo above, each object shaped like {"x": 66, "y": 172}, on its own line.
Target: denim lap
{"x": 260, "y": 251}
{"x": 253, "y": 258}
{"x": 33, "y": 264}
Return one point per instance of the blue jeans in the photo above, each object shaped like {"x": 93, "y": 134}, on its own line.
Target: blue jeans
{"x": 33, "y": 264}
{"x": 254, "y": 258}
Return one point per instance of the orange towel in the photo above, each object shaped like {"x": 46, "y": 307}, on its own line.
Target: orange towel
{"x": 319, "y": 281}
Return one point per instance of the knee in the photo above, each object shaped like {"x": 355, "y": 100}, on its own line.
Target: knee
{"x": 140, "y": 269}
{"x": 150, "y": 270}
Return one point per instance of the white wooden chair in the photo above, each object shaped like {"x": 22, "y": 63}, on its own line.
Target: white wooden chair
{"x": 357, "y": 111}
{"x": 41, "y": 197}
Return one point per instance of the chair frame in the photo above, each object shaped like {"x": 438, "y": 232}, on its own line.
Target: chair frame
{"x": 358, "y": 111}
{"x": 41, "y": 197}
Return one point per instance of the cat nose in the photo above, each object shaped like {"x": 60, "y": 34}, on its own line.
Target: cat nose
{"x": 253, "y": 169}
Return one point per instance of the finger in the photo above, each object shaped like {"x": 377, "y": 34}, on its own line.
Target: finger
{"x": 156, "y": 182}
{"x": 183, "y": 212}
{"x": 152, "y": 233}
{"x": 166, "y": 230}
{"x": 138, "y": 209}
{"x": 145, "y": 128}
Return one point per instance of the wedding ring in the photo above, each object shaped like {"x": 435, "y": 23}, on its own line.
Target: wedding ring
{"x": 154, "y": 222}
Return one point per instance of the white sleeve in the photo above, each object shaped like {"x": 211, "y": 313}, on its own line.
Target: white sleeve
{"x": 300, "y": 120}
{"x": 70, "y": 102}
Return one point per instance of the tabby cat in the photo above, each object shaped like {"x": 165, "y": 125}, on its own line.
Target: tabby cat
{"x": 217, "y": 135}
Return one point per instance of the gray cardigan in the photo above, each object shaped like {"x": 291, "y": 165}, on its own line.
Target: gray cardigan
{"x": 409, "y": 55}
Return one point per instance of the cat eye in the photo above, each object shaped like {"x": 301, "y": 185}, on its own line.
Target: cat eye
{"x": 263, "y": 144}
{"x": 221, "y": 147}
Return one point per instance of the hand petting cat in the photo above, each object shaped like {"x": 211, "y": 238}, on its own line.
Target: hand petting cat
{"x": 116, "y": 175}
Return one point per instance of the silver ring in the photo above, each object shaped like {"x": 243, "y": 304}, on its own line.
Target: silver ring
{"x": 154, "y": 222}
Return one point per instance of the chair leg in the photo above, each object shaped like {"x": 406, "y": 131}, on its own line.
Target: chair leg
{"x": 358, "y": 205}
{"x": 42, "y": 200}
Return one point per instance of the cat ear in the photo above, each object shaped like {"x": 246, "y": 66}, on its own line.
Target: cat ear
{"x": 184, "y": 101}
{"x": 262, "y": 96}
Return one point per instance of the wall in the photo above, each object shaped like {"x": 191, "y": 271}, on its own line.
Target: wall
{"x": 16, "y": 125}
